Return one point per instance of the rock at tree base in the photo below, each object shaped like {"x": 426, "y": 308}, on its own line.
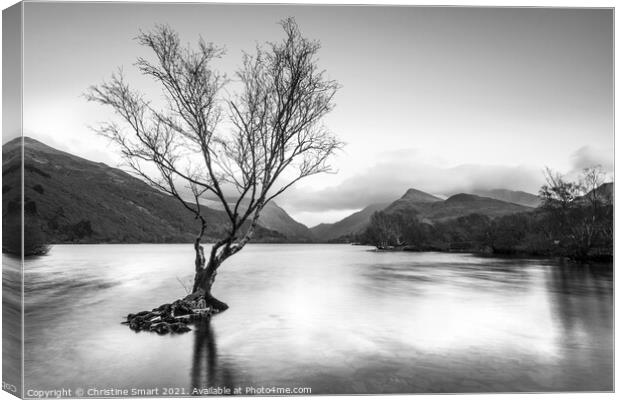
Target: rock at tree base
{"x": 172, "y": 318}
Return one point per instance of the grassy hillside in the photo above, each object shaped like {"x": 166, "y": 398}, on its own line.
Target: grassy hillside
{"x": 459, "y": 205}
{"x": 464, "y": 204}
{"x": 352, "y": 224}
{"x": 425, "y": 207}
{"x": 511, "y": 196}
{"x": 275, "y": 218}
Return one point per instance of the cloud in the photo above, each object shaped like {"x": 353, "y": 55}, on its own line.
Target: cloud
{"x": 395, "y": 172}
{"x": 589, "y": 156}
{"x": 90, "y": 147}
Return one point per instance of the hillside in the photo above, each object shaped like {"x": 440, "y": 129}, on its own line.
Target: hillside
{"x": 426, "y": 207}
{"x": 433, "y": 209}
{"x": 357, "y": 222}
{"x": 463, "y": 204}
{"x": 418, "y": 196}
{"x": 511, "y": 196}
{"x": 275, "y": 218}
{"x": 604, "y": 192}
{"x": 352, "y": 224}
{"x": 412, "y": 202}
{"x": 71, "y": 199}
{"x": 607, "y": 190}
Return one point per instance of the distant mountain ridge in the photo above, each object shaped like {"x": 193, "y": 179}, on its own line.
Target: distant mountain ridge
{"x": 455, "y": 206}
{"x": 426, "y": 207}
{"x": 418, "y": 196}
{"x": 463, "y": 204}
{"x": 352, "y": 224}
{"x": 275, "y": 218}
{"x": 511, "y": 196}
{"x": 605, "y": 193}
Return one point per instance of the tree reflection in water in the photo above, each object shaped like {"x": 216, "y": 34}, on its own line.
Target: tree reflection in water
{"x": 582, "y": 301}
{"x": 208, "y": 371}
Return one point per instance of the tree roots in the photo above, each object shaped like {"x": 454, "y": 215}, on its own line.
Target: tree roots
{"x": 177, "y": 316}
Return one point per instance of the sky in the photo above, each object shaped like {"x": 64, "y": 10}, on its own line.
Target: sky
{"x": 443, "y": 99}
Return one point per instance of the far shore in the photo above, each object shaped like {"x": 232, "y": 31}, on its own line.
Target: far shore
{"x": 395, "y": 249}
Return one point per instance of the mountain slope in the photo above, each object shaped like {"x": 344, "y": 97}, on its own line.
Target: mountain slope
{"x": 71, "y": 199}
{"x": 275, "y": 218}
{"x": 463, "y": 204}
{"x": 352, "y": 224}
{"x": 424, "y": 206}
{"x": 511, "y": 196}
{"x": 272, "y": 217}
{"x": 607, "y": 190}
{"x": 418, "y": 196}
{"x": 412, "y": 202}
{"x": 357, "y": 222}
{"x": 430, "y": 208}
{"x": 604, "y": 193}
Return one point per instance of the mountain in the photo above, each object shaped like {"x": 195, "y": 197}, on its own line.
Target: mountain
{"x": 352, "y": 224}
{"x": 426, "y": 207}
{"x": 463, "y": 204}
{"x": 357, "y": 222}
{"x": 429, "y": 208}
{"x": 603, "y": 193}
{"x": 272, "y": 217}
{"x": 275, "y": 218}
{"x": 71, "y": 199}
{"x": 412, "y": 201}
{"x": 418, "y": 196}
{"x": 511, "y": 196}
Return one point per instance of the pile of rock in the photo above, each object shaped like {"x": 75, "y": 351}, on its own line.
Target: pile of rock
{"x": 170, "y": 318}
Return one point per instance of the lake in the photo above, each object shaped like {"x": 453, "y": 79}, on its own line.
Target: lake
{"x": 332, "y": 318}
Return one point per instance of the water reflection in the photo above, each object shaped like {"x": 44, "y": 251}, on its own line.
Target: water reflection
{"x": 582, "y": 303}
{"x": 12, "y": 320}
{"x": 468, "y": 303}
{"x": 208, "y": 371}
{"x": 337, "y": 318}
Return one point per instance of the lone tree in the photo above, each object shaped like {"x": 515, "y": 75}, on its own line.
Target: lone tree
{"x": 242, "y": 149}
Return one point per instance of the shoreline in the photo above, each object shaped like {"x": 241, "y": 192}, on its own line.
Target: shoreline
{"x": 515, "y": 255}
{"x": 604, "y": 259}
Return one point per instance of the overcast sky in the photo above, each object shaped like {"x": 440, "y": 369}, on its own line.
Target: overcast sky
{"x": 440, "y": 99}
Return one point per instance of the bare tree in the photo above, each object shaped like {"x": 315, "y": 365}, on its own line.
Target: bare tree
{"x": 580, "y": 211}
{"x": 557, "y": 192}
{"x": 242, "y": 149}
{"x": 591, "y": 180}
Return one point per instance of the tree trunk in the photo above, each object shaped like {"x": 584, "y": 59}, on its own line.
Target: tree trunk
{"x": 203, "y": 282}
{"x": 205, "y": 275}
{"x": 207, "y": 270}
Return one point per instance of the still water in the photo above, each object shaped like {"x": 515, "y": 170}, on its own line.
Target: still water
{"x": 333, "y": 318}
